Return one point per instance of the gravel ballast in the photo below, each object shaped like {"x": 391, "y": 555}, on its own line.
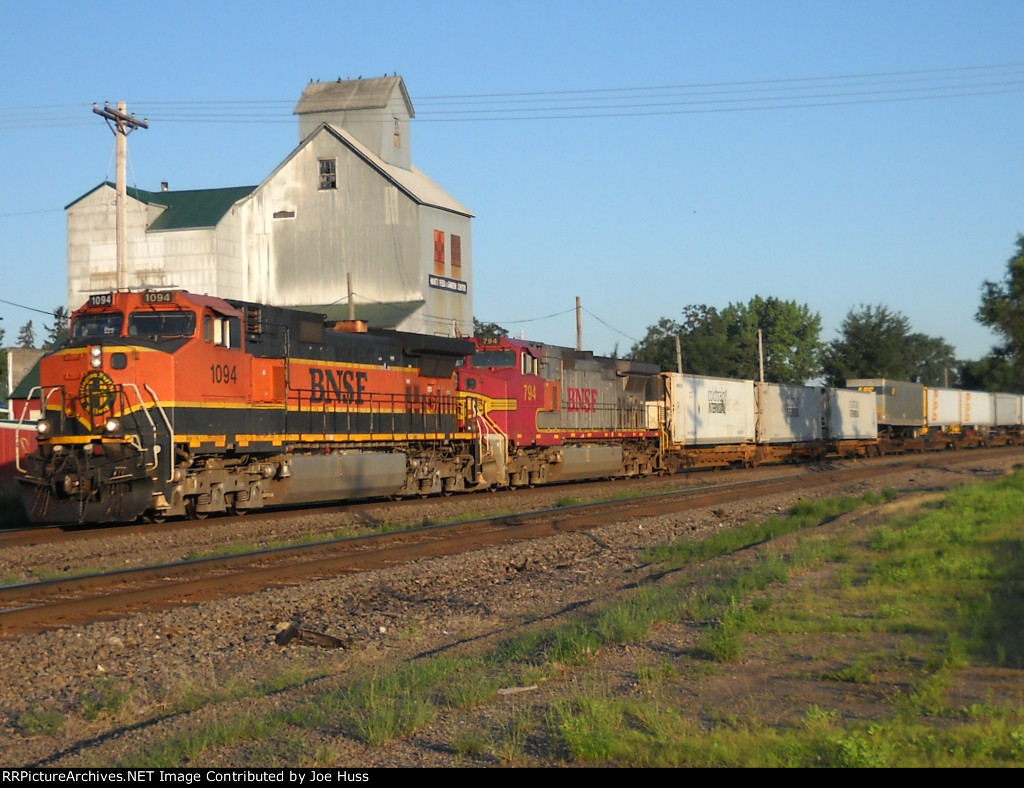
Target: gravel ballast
{"x": 159, "y": 657}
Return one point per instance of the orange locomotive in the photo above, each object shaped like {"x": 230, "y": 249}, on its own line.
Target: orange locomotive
{"x": 167, "y": 403}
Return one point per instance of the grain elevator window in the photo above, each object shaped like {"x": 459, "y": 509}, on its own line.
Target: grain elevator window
{"x": 456, "y": 256}
{"x": 439, "y": 252}
{"x": 328, "y": 174}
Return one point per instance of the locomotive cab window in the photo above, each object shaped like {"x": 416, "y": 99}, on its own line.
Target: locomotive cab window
{"x": 161, "y": 325}
{"x": 92, "y": 326}
{"x": 501, "y": 359}
{"x": 223, "y": 331}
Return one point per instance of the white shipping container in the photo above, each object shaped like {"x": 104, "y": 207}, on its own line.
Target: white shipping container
{"x": 789, "y": 413}
{"x": 1008, "y": 410}
{"x": 709, "y": 410}
{"x": 943, "y": 407}
{"x": 977, "y": 409}
{"x": 851, "y": 415}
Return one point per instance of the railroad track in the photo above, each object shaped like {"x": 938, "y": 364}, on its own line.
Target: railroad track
{"x": 61, "y": 602}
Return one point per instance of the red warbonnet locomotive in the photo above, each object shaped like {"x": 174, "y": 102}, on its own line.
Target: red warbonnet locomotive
{"x": 167, "y": 403}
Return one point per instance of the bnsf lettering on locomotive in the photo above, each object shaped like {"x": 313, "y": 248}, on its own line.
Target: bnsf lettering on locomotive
{"x": 328, "y": 385}
{"x": 582, "y": 399}
{"x": 716, "y": 401}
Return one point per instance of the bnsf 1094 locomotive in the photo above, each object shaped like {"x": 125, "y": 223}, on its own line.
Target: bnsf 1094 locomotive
{"x": 169, "y": 403}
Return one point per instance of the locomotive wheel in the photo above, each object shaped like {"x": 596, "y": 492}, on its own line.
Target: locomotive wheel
{"x": 234, "y": 510}
{"x": 192, "y": 513}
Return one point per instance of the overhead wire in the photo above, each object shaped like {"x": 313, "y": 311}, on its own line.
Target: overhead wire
{"x": 628, "y": 101}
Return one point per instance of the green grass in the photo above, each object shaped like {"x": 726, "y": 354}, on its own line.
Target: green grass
{"x": 943, "y": 589}
{"x": 41, "y": 722}
{"x": 803, "y": 515}
{"x": 107, "y": 695}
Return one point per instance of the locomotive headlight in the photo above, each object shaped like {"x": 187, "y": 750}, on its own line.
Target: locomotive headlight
{"x": 43, "y": 429}
{"x": 112, "y": 427}
{"x": 96, "y": 356}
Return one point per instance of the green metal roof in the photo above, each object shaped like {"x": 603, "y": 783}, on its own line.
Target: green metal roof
{"x": 186, "y": 209}
{"x": 27, "y": 383}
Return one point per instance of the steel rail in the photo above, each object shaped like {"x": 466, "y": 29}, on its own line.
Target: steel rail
{"x": 59, "y": 602}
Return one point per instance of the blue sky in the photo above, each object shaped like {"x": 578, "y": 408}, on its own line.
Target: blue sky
{"x": 835, "y": 154}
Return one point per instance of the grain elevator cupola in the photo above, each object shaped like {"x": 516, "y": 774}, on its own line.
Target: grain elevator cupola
{"x": 375, "y": 111}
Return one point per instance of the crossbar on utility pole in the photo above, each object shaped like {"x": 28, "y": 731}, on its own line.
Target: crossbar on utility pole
{"x": 122, "y": 124}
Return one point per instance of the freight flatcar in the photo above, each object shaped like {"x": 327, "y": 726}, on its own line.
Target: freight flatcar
{"x": 914, "y": 417}
{"x": 711, "y": 422}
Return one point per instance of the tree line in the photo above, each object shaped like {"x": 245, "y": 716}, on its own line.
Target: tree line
{"x": 873, "y": 342}
{"x": 55, "y": 334}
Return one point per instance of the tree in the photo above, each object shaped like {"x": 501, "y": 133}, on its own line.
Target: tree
{"x": 488, "y": 330}
{"x": 724, "y": 343}
{"x": 27, "y": 336}
{"x": 1002, "y": 310}
{"x": 790, "y": 338}
{"x": 57, "y": 333}
{"x": 933, "y": 361}
{"x": 990, "y": 373}
{"x": 877, "y": 343}
{"x": 702, "y": 339}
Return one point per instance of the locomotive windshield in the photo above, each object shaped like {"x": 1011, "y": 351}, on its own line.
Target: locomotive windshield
{"x": 493, "y": 358}
{"x": 98, "y": 326}
{"x": 161, "y": 325}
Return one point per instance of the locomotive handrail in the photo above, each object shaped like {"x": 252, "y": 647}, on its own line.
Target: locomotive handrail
{"x": 170, "y": 434}
{"x": 145, "y": 412}
{"x": 380, "y": 413}
{"x": 43, "y": 402}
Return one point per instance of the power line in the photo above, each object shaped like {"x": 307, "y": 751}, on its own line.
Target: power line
{"x": 49, "y": 313}
{"x": 630, "y": 101}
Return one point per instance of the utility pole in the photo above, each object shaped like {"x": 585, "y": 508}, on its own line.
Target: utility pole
{"x": 760, "y": 354}
{"x": 122, "y": 124}
{"x": 579, "y": 324}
